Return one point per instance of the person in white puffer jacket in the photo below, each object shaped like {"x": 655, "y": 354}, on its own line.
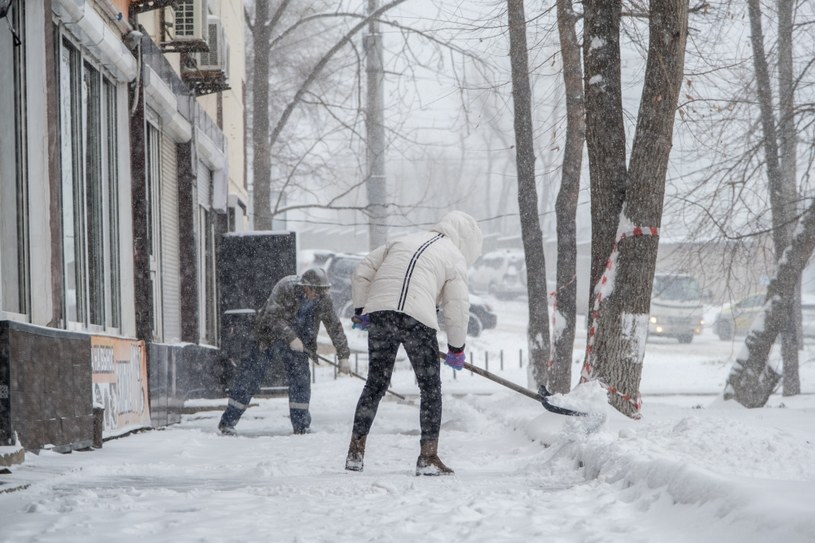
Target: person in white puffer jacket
{"x": 396, "y": 291}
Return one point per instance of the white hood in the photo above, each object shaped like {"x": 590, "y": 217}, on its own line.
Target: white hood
{"x": 464, "y": 232}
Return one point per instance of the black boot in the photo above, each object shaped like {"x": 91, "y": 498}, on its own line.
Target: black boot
{"x": 356, "y": 452}
{"x": 429, "y": 462}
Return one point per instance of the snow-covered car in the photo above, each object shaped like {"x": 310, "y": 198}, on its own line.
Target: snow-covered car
{"x": 500, "y": 273}
{"x": 736, "y": 319}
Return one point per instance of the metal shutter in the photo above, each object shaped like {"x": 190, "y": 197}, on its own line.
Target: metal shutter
{"x": 171, "y": 266}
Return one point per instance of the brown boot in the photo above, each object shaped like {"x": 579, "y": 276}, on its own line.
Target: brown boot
{"x": 356, "y": 452}
{"x": 429, "y": 462}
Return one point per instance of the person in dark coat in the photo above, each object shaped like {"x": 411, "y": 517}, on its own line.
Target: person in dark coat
{"x": 286, "y": 329}
{"x": 396, "y": 291}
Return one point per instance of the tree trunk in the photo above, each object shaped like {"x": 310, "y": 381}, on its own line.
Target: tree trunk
{"x": 752, "y": 379}
{"x": 559, "y": 375}
{"x": 375, "y": 182}
{"x": 780, "y": 197}
{"x": 605, "y": 133}
{"x": 538, "y": 328}
{"x": 792, "y": 336}
{"x": 261, "y": 147}
{"x": 623, "y": 293}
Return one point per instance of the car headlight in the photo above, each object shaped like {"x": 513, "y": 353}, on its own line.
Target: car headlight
{"x": 653, "y": 320}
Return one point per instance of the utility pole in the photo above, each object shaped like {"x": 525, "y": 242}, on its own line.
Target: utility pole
{"x": 375, "y": 131}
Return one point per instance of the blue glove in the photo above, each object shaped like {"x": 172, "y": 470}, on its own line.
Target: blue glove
{"x": 455, "y": 360}
{"x": 361, "y": 322}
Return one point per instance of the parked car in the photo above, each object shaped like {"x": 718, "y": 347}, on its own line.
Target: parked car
{"x": 500, "y": 273}
{"x": 340, "y": 266}
{"x": 736, "y": 319}
{"x": 482, "y": 317}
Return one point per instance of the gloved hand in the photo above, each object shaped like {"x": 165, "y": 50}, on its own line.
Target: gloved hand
{"x": 361, "y": 322}
{"x": 345, "y": 366}
{"x": 455, "y": 360}
{"x": 296, "y": 345}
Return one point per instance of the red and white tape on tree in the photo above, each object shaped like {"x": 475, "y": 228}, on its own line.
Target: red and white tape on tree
{"x": 601, "y": 291}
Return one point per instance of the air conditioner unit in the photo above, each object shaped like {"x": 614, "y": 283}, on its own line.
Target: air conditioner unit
{"x": 217, "y": 59}
{"x": 189, "y": 20}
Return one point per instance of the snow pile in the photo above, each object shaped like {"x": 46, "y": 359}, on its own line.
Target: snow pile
{"x": 748, "y": 481}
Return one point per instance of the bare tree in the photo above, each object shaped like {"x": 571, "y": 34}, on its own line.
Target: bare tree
{"x": 538, "y": 324}
{"x": 781, "y": 184}
{"x": 296, "y": 173}
{"x": 627, "y": 202}
{"x": 559, "y": 376}
{"x": 752, "y": 379}
{"x": 743, "y": 173}
{"x": 265, "y": 30}
{"x": 261, "y": 32}
{"x": 792, "y": 336}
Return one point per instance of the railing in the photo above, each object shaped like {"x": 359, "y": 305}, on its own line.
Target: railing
{"x": 495, "y": 362}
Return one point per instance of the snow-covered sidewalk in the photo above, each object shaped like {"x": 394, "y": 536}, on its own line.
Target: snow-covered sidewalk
{"x": 694, "y": 468}
{"x": 721, "y": 473}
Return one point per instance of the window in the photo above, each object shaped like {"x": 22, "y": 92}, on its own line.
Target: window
{"x": 89, "y": 193}
{"x": 14, "y": 238}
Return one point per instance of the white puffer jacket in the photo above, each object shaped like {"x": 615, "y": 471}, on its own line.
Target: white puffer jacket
{"x": 420, "y": 272}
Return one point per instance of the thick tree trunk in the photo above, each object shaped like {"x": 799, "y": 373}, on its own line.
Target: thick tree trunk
{"x": 538, "y": 328}
{"x": 559, "y": 375}
{"x": 605, "y": 132}
{"x": 752, "y": 379}
{"x": 620, "y": 327}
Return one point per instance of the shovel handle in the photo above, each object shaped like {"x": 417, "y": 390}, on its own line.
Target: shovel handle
{"x": 521, "y": 390}
{"x": 358, "y": 376}
{"x": 500, "y": 380}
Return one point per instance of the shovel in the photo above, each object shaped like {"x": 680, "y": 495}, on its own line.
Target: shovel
{"x": 542, "y": 395}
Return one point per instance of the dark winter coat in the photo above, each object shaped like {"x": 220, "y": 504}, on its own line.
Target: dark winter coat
{"x": 277, "y": 319}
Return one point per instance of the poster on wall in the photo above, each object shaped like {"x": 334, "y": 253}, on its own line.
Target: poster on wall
{"x": 120, "y": 383}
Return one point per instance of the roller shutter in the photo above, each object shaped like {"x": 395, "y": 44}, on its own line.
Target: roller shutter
{"x": 171, "y": 269}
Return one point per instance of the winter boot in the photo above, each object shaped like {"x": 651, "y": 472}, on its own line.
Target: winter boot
{"x": 356, "y": 452}
{"x": 227, "y": 430}
{"x": 429, "y": 462}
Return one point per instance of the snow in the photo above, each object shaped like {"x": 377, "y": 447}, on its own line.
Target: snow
{"x": 694, "y": 468}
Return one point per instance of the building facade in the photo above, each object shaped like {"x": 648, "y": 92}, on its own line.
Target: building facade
{"x": 124, "y": 168}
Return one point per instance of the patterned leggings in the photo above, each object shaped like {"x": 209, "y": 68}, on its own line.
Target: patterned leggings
{"x": 388, "y": 330}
